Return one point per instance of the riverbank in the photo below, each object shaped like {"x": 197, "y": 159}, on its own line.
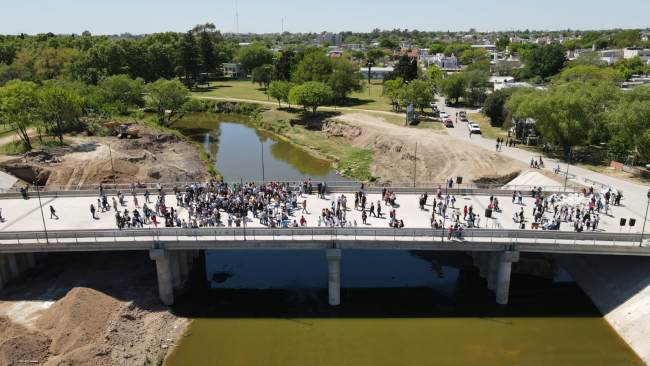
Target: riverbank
{"x": 157, "y": 155}
{"x": 98, "y": 308}
{"x": 365, "y": 145}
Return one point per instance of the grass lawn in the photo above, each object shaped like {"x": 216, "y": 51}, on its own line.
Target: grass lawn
{"x": 247, "y": 90}
{"x": 487, "y": 130}
{"x": 17, "y": 147}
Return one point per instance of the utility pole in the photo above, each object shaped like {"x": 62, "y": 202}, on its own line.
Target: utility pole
{"x": 415, "y": 164}
{"x": 566, "y": 177}
{"x": 42, "y": 215}
{"x": 110, "y": 151}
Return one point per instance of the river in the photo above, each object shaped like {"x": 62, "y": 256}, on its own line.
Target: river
{"x": 397, "y": 307}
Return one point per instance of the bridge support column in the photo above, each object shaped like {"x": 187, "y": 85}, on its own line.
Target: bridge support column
{"x": 503, "y": 278}
{"x": 176, "y": 269}
{"x": 190, "y": 257}
{"x": 164, "y": 271}
{"x": 182, "y": 262}
{"x": 31, "y": 260}
{"x": 493, "y": 263}
{"x": 334, "y": 276}
{"x": 196, "y": 253}
{"x": 476, "y": 258}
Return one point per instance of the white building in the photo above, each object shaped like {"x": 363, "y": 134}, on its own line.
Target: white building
{"x": 335, "y": 39}
{"x": 631, "y": 52}
{"x": 440, "y": 60}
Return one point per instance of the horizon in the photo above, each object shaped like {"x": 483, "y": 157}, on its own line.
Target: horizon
{"x": 298, "y": 17}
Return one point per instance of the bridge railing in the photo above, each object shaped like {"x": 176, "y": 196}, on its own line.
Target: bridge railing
{"x": 338, "y": 185}
{"x": 170, "y": 235}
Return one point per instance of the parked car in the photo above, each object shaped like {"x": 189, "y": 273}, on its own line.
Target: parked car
{"x": 480, "y": 110}
{"x": 449, "y": 123}
{"x": 475, "y": 129}
{"x": 432, "y": 104}
{"x": 463, "y": 118}
{"x": 470, "y": 124}
{"x": 443, "y": 116}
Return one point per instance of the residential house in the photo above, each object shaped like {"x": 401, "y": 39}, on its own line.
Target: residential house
{"x": 234, "y": 70}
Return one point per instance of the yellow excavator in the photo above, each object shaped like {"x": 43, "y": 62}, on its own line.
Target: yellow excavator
{"x": 121, "y": 130}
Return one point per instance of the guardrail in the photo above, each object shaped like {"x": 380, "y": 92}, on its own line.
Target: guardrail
{"x": 331, "y": 185}
{"x": 144, "y": 238}
{"x": 593, "y": 182}
{"x": 571, "y": 175}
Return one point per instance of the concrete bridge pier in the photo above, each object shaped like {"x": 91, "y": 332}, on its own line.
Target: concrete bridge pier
{"x": 182, "y": 262}
{"x": 505, "y": 261}
{"x": 334, "y": 275}
{"x": 483, "y": 264}
{"x": 164, "y": 271}
{"x": 174, "y": 257}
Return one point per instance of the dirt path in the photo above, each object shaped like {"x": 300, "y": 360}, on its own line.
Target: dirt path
{"x": 9, "y": 138}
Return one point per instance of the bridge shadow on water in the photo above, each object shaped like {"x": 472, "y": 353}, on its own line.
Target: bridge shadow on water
{"x": 452, "y": 289}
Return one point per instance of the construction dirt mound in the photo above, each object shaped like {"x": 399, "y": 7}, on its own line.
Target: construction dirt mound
{"x": 19, "y": 345}
{"x": 154, "y": 156}
{"x": 439, "y": 156}
{"x": 78, "y": 319}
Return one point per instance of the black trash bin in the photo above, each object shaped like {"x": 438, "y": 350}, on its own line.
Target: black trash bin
{"x": 459, "y": 180}
{"x": 488, "y": 212}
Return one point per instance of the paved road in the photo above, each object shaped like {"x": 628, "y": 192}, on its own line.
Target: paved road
{"x": 635, "y": 193}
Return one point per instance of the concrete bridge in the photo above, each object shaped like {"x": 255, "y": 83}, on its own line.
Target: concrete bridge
{"x": 493, "y": 248}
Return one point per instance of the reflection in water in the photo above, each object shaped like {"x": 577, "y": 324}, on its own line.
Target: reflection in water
{"x": 238, "y": 148}
{"x": 270, "y": 308}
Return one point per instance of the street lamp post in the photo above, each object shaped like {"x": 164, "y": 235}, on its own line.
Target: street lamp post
{"x": 645, "y": 219}
{"x": 110, "y": 151}
{"x": 263, "y": 180}
{"x": 415, "y": 164}
{"x": 42, "y": 215}
{"x": 566, "y": 177}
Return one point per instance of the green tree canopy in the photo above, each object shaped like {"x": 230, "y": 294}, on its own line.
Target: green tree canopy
{"x": 314, "y": 67}
{"x": 453, "y": 86}
{"x": 58, "y": 108}
{"x": 254, "y": 56}
{"x": 544, "y": 62}
{"x": 262, "y": 75}
{"x": 436, "y": 48}
{"x": 311, "y": 94}
{"x": 123, "y": 89}
{"x": 282, "y": 69}
{"x": 630, "y": 120}
{"x": 392, "y": 89}
{"x": 18, "y": 104}
{"x": 280, "y": 90}
{"x": 345, "y": 78}
{"x": 188, "y": 59}
{"x": 168, "y": 95}
{"x": 495, "y": 105}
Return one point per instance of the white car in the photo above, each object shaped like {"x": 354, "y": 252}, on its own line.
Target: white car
{"x": 443, "y": 115}
{"x": 470, "y": 124}
{"x": 475, "y": 129}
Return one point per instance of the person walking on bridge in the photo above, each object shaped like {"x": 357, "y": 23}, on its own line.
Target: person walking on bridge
{"x": 53, "y": 212}
{"x": 92, "y": 210}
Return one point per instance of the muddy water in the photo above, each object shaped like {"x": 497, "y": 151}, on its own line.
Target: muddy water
{"x": 239, "y": 149}
{"x": 397, "y": 308}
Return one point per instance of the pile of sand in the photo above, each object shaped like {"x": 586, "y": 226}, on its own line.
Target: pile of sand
{"x": 18, "y": 343}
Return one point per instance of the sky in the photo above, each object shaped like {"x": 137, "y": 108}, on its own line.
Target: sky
{"x": 264, "y": 16}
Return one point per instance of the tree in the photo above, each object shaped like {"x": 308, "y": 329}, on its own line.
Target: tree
{"x": 495, "y": 105}
{"x": 419, "y": 93}
{"x": 386, "y": 43}
{"x": 589, "y": 73}
{"x": 503, "y": 42}
{"x": 18, "y": 104}
{"x": 86, "y": 33}
{"x": 453, "y": 86}
{"x": 564, "y": 114}
{"x": 263, "y": 76}
{"x": 544, "y": 62}
{"x": 8, "y": 73}
{"x": 434, "y": 73}
{"x": 123, "y": 90}
{"x": 404, "y": 69}
{"x": 630, "y": 120}
{"x": 314, "y": 67}
{"x": 311, "y": 95}
{"x": 58, "y": 108}
{"x": 207, "y": 52}
{"x": 254, "y": 56}
{"x": 188, "y": 59}
{"x": 436, "y": 48}
{"x": 345, "y": 78}
{"x": 392, "y": 90}
{"x": 372, "y": 56}
{"x": 280, "y": 90}
{"x": 282, "y": 70}
{"x": 168, "y": 95}
{"x": 478, "y": 80}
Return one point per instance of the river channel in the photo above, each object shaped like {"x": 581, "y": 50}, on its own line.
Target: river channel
{"x": 397, "y": 307}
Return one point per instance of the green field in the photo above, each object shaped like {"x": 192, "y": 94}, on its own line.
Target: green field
{"x": 247, "y": 90}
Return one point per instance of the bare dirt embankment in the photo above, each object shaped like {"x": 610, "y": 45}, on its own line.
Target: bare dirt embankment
{"x": 87, "y": 309}
{"x": 155, "y": 156}
{"x": 439, "y": 156}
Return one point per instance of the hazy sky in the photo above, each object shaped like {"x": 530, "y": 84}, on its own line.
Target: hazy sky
{"x": 264, "y": 16}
